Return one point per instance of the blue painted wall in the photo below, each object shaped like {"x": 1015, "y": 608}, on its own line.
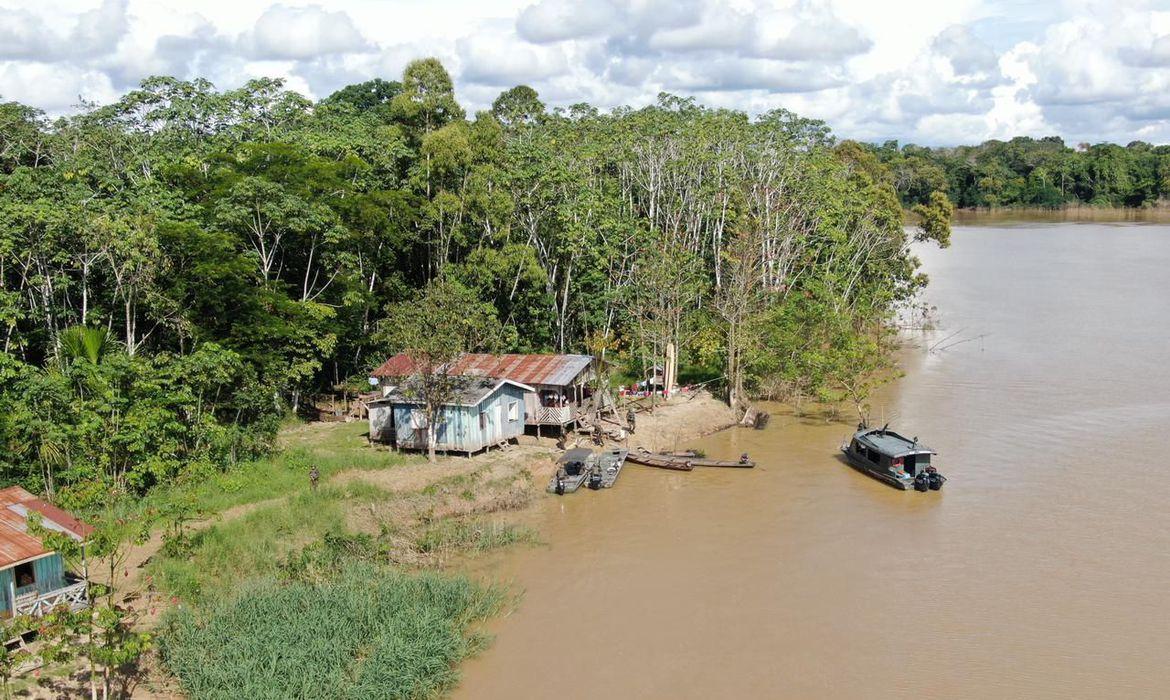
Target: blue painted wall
{"x": 49, "y": 573}
{"x": 462, "y": 429}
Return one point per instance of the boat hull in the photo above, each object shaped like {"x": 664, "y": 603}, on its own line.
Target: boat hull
{"x": 569, "y": 483}
{"x": 647, "y": 459}
{"x": 611, "y": 466}
{"x": 882, "y": 475}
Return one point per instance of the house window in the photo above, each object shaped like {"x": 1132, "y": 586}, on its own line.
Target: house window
{"x": 24, "y": 575}
{"x": 483, "y": 420}
{"x": 514, "y": 411}
{"x": 418, "y": 419}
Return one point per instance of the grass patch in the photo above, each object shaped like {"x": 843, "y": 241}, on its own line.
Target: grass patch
{"x": 372, "y": 632}
{"x": 256, "y": 543}
{"x": 451, "y": 536}
{"x": 334, "y": 448}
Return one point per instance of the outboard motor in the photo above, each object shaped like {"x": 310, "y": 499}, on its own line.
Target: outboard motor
{"x": 936, "y": 480}
{"x": 921, "y": 483}
{"x": 560, "y": 486}
{"x": 595, "y": 480}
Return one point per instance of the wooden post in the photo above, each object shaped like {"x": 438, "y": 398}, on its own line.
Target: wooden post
{"x": 85, "y": 573}
{"x": 670, "y": 370}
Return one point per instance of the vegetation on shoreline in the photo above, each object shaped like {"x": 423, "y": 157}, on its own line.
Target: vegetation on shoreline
{"x": 368, "y": 632}
{"x": 1031, "y": 173}
{"x": 181, "y": 268}
{"x": 370, "y": 527}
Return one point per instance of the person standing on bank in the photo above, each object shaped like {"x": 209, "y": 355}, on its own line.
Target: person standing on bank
{"x": 630, "y": 420}
{"x": 314, "y": 477}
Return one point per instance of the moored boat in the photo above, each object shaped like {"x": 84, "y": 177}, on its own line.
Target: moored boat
{"x": 891, "y": 458}
{"x": 609, "y": 466}
{"x": 573, "y": 468}
{"x": 684, "y": 461}
{"x": 661, "y": 461}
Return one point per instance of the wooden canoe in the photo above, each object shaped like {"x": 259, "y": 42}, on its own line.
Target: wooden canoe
{"x": 649, "y": 459}
{"x": 683, "y": 461}
{"x": 741, "y": 464}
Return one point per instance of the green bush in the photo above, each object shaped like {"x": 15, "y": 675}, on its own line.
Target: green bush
{"x": 472, "y": 535}
{"x": 372, "y": 633}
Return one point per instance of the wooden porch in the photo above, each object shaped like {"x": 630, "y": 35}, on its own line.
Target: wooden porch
{"x": 30, "y": 601}
{"x": 552, "y": 415}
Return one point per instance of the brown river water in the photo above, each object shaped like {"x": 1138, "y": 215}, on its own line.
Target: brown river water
{"x": 1041, "y": 570}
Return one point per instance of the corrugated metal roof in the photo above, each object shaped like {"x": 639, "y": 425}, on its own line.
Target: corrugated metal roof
{"x": 556, "y": 370}
{"x": 470, "y": 391}
{"x": 16, "y": 545}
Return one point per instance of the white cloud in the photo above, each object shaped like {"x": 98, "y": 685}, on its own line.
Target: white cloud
{"x": 285, "y": 32}
{"x": 49, "y": 88}
{"x": 498, "y": 59}
{"x": 558, "y": 20}
{"x": 967, "y": 54}
{"x": 916, "y": 70}
{"x": 25, "y": 34}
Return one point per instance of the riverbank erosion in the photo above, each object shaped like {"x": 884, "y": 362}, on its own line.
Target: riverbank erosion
{"x": 353, "y": 582}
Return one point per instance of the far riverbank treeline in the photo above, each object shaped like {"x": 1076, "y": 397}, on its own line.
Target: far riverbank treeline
{"x": 180, "y": 269}
{"x": 1027, "y": 172}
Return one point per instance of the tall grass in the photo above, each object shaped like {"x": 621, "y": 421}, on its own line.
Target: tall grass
{"x": 255, "y": 545}
{"x": 447, "y": 536}
{"x": 371, "y": 633}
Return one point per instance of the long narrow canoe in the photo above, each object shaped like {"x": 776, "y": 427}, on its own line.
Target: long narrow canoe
{"x": 684, "y": 461}
{"x": 650, "y": 459}
{"x": 744, "y": 463}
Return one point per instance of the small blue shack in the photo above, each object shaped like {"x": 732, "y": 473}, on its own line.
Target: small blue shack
{"x": 33, "y": 578}
{"x": 482, "y": 413}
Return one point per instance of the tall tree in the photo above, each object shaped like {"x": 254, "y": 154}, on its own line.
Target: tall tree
{"x": 434, "y": 332}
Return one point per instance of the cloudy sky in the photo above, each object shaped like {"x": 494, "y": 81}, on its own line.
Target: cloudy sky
{"x": 924, "y": 71}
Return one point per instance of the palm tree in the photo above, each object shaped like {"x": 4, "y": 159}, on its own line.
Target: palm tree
{"x": 81, "y": 342}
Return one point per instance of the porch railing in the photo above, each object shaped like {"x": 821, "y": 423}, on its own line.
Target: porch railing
{"x": 553, "y": 415}
{"x": 37, "y": 604}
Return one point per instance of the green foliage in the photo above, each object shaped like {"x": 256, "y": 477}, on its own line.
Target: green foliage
{"x": 182, "y": 267}
{"x": 518, "y": 106}
{"x": 81, "y": 343}
{"x": 472, "y": 535}
{"x": 935, "y": 219}
{"x": 369, "y": 633}
{"x": 257, "y": 543}
{"x": 1027, "y": 172}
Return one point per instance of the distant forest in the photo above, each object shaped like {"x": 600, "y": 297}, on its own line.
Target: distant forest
{"x": 1027, "y": 172}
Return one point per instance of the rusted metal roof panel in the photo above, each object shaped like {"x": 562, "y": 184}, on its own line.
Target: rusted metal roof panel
{"x": 397, "y": 366}
{"x": 16, "y": 544}
{"x": 13, "y": 494}
{"x": 556, "y": 370}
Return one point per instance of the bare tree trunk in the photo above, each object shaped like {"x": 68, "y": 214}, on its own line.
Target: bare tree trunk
{"x": 432, "y": 433}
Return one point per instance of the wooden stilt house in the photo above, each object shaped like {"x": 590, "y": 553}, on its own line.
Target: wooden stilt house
{"x": 558, "y": 384}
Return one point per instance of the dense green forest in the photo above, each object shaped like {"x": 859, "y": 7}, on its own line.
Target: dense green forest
{"x": 1027, "y": 172}
{"x": 183, "y": 268}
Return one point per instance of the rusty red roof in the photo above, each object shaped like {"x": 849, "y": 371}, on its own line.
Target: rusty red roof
{"x": 555, "y": 370}
{"x": 16, "y": 544}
